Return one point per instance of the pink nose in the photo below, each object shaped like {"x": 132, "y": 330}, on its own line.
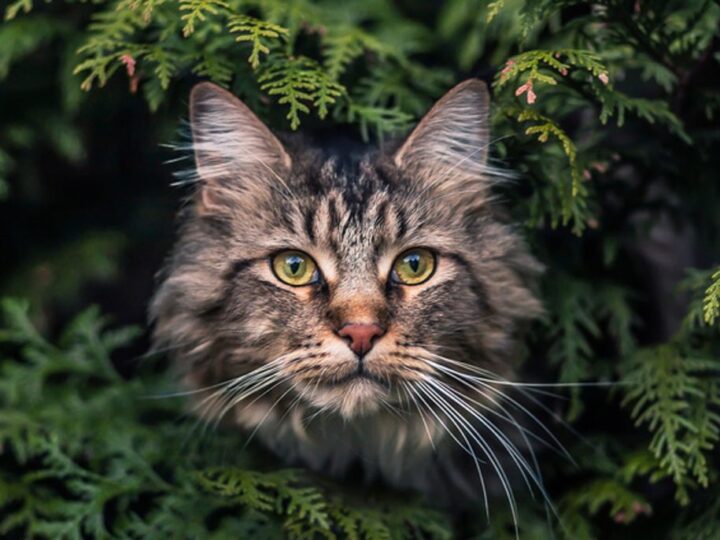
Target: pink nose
{"x": 361, "y": 336}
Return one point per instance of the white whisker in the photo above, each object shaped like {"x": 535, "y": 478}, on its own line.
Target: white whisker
{"x": 511, "y": 449}
{"x": 467, "y": 447}
{"x": 465, "y": 381}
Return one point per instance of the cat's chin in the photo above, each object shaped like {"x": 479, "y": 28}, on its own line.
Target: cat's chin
{"x": 351, "y": 397}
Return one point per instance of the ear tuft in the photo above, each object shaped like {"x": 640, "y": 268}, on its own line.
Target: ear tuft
{"x": 454, "y": 134}
{"x": 227, "y": 136}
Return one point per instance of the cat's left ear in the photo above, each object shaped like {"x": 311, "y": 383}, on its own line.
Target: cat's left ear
{"x": 453, "y": 137}
{"x": 233, "y": 148}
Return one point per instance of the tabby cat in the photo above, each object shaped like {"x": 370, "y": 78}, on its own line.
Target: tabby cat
{"x": 353, "y": 309}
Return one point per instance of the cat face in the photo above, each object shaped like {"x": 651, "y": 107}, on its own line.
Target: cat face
{"x": 338, "y": 283}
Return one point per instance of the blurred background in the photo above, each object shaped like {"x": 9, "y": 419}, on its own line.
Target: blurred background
{"x": 87, "y": 211}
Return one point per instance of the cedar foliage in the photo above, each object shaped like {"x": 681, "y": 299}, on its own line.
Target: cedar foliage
{"x": 607, "y": 111}
{"x": 87, "y": 453}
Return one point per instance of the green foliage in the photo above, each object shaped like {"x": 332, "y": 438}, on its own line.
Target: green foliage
{"x": 616, "y": 104}
{"x": 606, "y": 110}
{"x": 571, "y": 73}
{"x": 611, "y": 491}
{"x": 711, "y": 302}
{"x": 58, "y": 276}
{"x": 21, "y": 37}
{"x": 565, "y": 199}
{"x": 156, "y": 42}
{"x": 580, "y": 312}
{"x": 197, "y": 11}
{"x": 695, "y": 285}
{"x": 300, "y": 82}
{"x": 344, "y": 45}
{"x": 254, "y": 31}
{"x": 607, "y": 494}
{"x": 546, "y": 67}
{"x": 270, "y": 492}
{"x": 16, "y": 7}
{"x": 309, "y": 513}
{"x": 82, "y": 445}
{"x": 675, "y": 394}
{"x": 701, "y": 525}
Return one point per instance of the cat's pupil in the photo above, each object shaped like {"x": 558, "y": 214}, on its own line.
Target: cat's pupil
{"x": 414, "y": 262}
{"x": 294, "y": 264}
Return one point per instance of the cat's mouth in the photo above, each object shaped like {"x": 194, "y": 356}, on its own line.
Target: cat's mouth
{"x": 359, "y": 375}
{"x": 351, "y": 390}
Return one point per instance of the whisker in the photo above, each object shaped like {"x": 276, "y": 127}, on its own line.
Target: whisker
{"x": 467, "y": 447}
{"x": 204, "y": 388}
{"x": 507, "y": 416}
{"x": 408, "y": 392}
{"x": 495, "y": 379}
{"x": 458, "y": 377}
{"x": 268, "y": 385}
{"x": 518, "y": 459}
{"x": 223, "y": 395}
{"x": 497, "y": 433}
{"x": 262, "y": 420}
{"x": 226, "y": 396}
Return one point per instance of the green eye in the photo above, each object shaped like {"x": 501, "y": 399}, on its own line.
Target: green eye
{"x": 413, "y": 267}
{"x": 295, "y": 268}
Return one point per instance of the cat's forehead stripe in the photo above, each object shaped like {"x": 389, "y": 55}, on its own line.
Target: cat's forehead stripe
{"x": 309, "y": 223}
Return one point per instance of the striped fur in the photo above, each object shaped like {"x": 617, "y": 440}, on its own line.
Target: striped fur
{"x": 224, "y": 316}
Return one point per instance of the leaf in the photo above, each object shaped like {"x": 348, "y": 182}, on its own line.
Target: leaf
{"x": 107, "y": 42}
{"x": 300, "y": 83}
{"x": 711, "y": 303}
{"x": 615, "y": 104}
{"x": 567, "y": 198}
{"x": 379, "y": 119}
{"x": 14, "y": 8}
{"x": 164, "y": 67}
{"x": 256, "y": 32}
{"x": 343, "y": 44}
{"x": 215, "y": 67}
{"x": 668, "y": 392}
{"x": 549, "y": 67}
{"x": 494, "y": 8}
{"x": 19, "y": 38}
{"x": 197, "y": 11}
{"x": 622, "y": 504}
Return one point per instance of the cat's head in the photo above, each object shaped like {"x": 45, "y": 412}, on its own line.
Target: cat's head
{"x": 339, "y": 282}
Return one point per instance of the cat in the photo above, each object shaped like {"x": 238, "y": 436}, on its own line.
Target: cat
{"x": 353, "y": 309}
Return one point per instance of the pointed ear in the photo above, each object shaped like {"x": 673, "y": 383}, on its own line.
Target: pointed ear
{"x": 229, "y": 142}
{"x": 452, "y": 136}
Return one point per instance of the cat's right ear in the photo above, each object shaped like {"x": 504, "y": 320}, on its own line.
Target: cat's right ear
{"x": 448, "y": 149}
{"x": 231, "y": 145}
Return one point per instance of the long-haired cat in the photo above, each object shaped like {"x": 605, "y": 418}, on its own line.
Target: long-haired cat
{"x": 353, "y": 309}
